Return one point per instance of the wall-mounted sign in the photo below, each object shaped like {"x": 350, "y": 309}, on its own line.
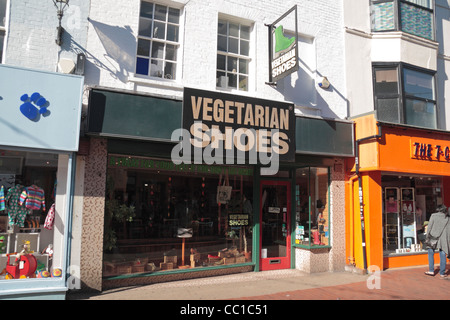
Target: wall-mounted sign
{"x": 431, "y": 152}
{"x": 40, "y": 110}
{"x": 283, "y": 49}
{"x": 238, "y": 129}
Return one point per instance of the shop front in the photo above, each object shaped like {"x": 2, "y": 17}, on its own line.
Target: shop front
{"x": 172, "y": 212}
{"x": 405, "y": 175}
{"x": 40, "y": 123}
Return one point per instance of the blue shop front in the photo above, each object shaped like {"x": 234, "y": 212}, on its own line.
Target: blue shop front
{"x": 39, "y": 135}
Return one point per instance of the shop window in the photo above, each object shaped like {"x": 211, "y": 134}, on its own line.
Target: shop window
{"x": 408, "y": 203}
{"x": 32, "y": 206}
{"x": 2, "y": 26}
{"x": 233, "y": 55}
{"x": 161, "y": 217}
{"x": 406, "y": 95}
{"x": 158, "y": 41}
{"x": 412, "y": 16}
{"x": 312, "y": 208}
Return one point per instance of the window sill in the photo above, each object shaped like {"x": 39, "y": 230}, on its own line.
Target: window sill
{"x": 162, "y": 83}
{"x": 388, "y": 254}
{"x": 311, "y": 247}
{"x": 405, "y": 36}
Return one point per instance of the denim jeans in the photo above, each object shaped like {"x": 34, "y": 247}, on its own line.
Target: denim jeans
{"x": 442, "y": 261}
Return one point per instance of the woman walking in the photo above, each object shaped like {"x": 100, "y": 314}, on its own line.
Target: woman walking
{"x": 438, "y": 237}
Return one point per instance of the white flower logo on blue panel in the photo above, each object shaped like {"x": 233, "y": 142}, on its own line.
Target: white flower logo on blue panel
{"x": 34, "y": 106}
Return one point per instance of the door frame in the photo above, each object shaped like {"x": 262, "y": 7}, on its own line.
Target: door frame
{"x": 276, "y": 263}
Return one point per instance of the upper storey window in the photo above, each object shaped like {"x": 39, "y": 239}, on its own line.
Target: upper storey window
{"x": 158, "y": 41}
{"x": 405, "y": 94}
{"x": 411, "y": 16}
{"x": 233, "y": 55}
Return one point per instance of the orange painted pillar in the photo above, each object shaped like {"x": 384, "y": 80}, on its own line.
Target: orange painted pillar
{"x": 372, "y": 199}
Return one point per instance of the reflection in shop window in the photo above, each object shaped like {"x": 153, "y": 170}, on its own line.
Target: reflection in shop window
{"x": 312, "y": 208}
{"x": 156, "y": 211}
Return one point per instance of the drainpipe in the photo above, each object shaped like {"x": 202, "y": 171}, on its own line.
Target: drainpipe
{"x": 351, "y": 258}
{"x": 361, "y": 200}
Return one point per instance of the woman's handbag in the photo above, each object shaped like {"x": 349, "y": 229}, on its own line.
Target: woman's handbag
{"x": 431, "y": 242}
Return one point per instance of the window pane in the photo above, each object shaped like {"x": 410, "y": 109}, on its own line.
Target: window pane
{"x": 386, "y": 81}
{"x": 2, "y": 13}
{"x": 244, "y": 49}
{"x": 171, "y": 52}
{"x": 143, "y": 47}
{"x": 234, "y": 30}
{"x": 146, "y": 9}
{"x": 243, "y": 66}
{"x": 174, "y": 15}
{"x": 232, "y": 81}
{"x": 156, "y": 68}
{"x": 172, "y": 33}
{"x": 222, "y": 43}
{"x": 169, "y": 70}
{"x": 159, "y": 31}
{"x": 419, "y": 84}
{"x": 157, "y": 50}
{"x": 388, "y": 110}
{"x": 383, "y": 17}
{"x": 145, "y": 27}
{"x": 245, "y": 32}
{"x": 416, "y": 21}
{"x": 232, "y": 64}
{"x": 222, "y": 28}
{"x": 423, "y": 3}
{"x": 243, "y": 83}
{"x": 233, "y": 45}
{"x": 160, "y": 12}
{"x": 221, "y": 62}
{"x": 420, "y": 113}
{"x": 221, "y": 80}
{"x": 142, "y": 66}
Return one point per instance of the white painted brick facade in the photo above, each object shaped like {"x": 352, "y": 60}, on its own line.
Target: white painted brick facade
{"x": 113, "y": 30}
{"x": 32, "y": 33}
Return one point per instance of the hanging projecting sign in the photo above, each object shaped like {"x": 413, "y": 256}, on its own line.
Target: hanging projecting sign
{"x": 283, "y": 49}
{"x": 219, "y": 126}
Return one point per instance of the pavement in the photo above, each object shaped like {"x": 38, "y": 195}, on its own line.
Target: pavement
{"x": 281, "y": 285}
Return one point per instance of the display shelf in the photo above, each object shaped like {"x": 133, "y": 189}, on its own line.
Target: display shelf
{"x": 392, "y": 218}
{"x": 408, "y": 217}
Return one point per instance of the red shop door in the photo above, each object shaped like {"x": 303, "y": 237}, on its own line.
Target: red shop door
{"x": 275, "y": 219}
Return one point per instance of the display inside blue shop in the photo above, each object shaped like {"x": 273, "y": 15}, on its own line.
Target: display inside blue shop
{"x": 27, "y": 215}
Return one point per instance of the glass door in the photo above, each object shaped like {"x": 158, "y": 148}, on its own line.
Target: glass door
{"x": 275, "y": 237}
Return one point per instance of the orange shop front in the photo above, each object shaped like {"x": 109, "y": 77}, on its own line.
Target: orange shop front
{"x": 399, "y": 176}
